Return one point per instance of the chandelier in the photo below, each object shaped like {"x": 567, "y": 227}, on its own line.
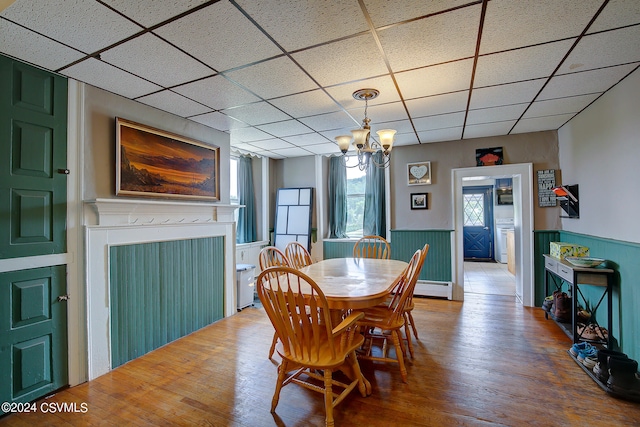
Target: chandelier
{"x": 365, "y": 148}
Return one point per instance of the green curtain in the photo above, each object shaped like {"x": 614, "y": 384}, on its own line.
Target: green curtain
{"x": 246, "y": 231}
{"x": 337, "y": 198}
{"x": 374, "y": 221}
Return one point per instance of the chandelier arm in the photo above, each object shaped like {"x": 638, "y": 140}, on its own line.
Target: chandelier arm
{"x": 385, "y": 161}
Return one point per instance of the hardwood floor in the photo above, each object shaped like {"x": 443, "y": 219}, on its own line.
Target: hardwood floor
{"x": 485, "y": 362}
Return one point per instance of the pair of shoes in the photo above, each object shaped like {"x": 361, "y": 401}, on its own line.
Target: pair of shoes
{"x": 601, "y": 370}
{"x": 585, "y": 353}
{"x": 578, "y": 347}
{"x": 547, "y": 303}
{"x": 593, "y": 332}
{"x": 623, "y": 377}
{"x": 583, "y": 315}
{"x": 562, "y": 306}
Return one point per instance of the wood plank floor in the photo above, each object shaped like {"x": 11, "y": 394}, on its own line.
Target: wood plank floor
{"x": 485, "y": 362}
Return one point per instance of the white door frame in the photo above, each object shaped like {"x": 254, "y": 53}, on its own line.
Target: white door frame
{"x": 522, "y": 175}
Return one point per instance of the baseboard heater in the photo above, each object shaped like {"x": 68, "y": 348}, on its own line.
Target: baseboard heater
{"x": 427, "y": 288}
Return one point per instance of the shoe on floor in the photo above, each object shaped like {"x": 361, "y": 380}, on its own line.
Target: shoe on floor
{"x": 623, "y": 377}
{"x": 588, "y": 357}
{"x": 601, "y": 370}
{"x": 578, "y": 347}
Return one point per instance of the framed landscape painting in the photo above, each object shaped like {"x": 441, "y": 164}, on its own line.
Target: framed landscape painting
{"x": 154, "y": 163}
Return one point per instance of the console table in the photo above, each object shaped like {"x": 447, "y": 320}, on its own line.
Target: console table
{"x": 562, "y": 271}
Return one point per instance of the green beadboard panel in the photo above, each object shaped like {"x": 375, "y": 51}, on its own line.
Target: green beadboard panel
{"x": 437, "y": 265}
{"x": 337, "y": 249}
{"x": 541, "y": 239}
{"x": 162, "y": 291}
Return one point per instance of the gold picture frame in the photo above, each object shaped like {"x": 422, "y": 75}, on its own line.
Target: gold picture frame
{"x": 154, "y": 163}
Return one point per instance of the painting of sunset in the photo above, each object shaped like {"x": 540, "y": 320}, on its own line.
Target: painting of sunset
{"x": 155, "y": 163}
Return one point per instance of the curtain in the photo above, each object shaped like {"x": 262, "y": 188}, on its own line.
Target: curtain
{"x": 374, "y": 221}
{"x": 246, "y": 231}
{"x": 337, "y": 198}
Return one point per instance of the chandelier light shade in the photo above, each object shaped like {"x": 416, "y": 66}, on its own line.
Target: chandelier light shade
{"x": 361, "y": 138}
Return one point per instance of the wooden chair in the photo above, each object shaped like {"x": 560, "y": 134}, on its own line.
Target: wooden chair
{"x": 297, "y": 255}
{"x": 409, "y": 324}
{"x": 386, "y": 321}
{"x": 310, "y": 346}
{"x": 372, "y": 247}
{"x": 272, "y": 257}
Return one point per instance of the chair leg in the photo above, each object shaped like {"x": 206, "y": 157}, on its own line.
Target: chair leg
{"x": 282, "y": 373}
{"x": 273, "y": 345}
{"x": 407, "y": 334}
{"x": 397, "y": 342}
{"x": 328, "y": 398}
{"x": 413, "y": 325}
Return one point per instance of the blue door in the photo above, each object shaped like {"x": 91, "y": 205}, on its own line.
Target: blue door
{"x": 478, "y": 222}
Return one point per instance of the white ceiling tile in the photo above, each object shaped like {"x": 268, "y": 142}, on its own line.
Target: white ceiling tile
{"x": 306, "y": 104}
{"x": 152, "y": 12}
{"x": 378, "y": 113}
{"x": 250, "y": 134}
{"x": 401, "y": 126}
{"x": 221, "y": 36}
{"x": 218, "y": 121}
{"x": 538, "y": 124}
{"x": 295, "y": 24}
{"x": 327, "y": 148}
{"x": 433, "y": 40}
{"x": 384, "y": 84}
{"x": 405, "y": 139}
{"x": 438, "y": 104}
{"x": 511, "y": 24}
{"x": 149, "y": 57}
{"x": 338, "y": 62}
{"x": 257, "y": 114}
{"x": 450, "y": 134}
{"x": 245, "y": 147}
{"x": 488, "y": 129}
{"x": 273, "y": 78}
{"x": 387, "y": 12}
{"x": 439, "y": 122}
{"x": 108, "y": 77}
{"x": 572, "y": 104}
{"x": 286, "y": 128}
{"x": 617, "y": 13}
{"x": 84, "y": 24}
{"x": 585, "y": 82}
{"x": 604, "y": 49}
{"x": 28, "y": 46}
{"x": 272, "y": 144}
{"x": 216, "y": 92}
{"x": 174, "y": 103}
{"x": 325, "y": 122}
{"x": 292, "y": 152}
{"x": 495, "y": 114}
{"x": 513, "y": 93}
{"x": 436, "y": 80}
{"x": 521, "y": 64}
{"x": 307, "y": 139}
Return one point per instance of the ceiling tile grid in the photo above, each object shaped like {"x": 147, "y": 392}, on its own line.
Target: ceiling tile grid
{"x": 278, "y": 76}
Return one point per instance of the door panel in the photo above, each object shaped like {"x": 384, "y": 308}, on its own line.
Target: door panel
{"x": 478, "y": 221}
{"x": 33, "y": 152}
{"x": 33, "y": 333}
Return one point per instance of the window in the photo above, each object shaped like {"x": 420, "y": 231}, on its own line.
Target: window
{"x": 474, "y": 210}
{"x": 356, "y": 180}
{"x": 233, "y": 180}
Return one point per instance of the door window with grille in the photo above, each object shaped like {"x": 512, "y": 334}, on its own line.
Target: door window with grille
{"x": 474, "y": 210}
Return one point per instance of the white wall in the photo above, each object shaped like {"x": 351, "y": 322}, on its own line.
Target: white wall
{"x": 600, "y": 151}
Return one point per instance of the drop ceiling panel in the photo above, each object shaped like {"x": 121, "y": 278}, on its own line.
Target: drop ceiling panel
{"x": 100, "y": 74}
{"x": 149, "y": 57}
{"x": 521, "y": 64}
{"x": 84, "y": 24}
{"x": 513, "y": 93}
{"x": 439, "y": 122}
{"x": 257, "y": 114}
{"x": 306, "y": 104}
{"x": 386, "y": 12}
{"x": 384, "y": 84}
{"x": 325, "y": 122}
{"x": 218, "y": 121}
{"x": 488, "y": 129}
{"x": 36, "y": 49}
{"x": 295, "y": 24}
{"x": 510, "y": 24}
{"x": 272, "y": 144}
{"x": 152, "y": 12}
{"x": 212, "y": 33}
{"x": 336, "y": 62}
{"x": 541, "y": 123}
{"x": 495, "y": 114}
{"x": 405, "y": 139}
{"x": 616, "y": 14}
{"x": 436, "y": 80}
{"x": 216, "y": 92}
{"x": 306, "y": 139}
{"x": 251, "y": 135}
{"x": 433, "y": 40}
{"x": 174, "y": 103}
{"x": 438, "y": 104}
{"x": 572, "y": 104}
{"x": 284, "y": 129}
{"x": 594, "y": 81}
{"x": 450, "y": 134}
{"x": 401, "y": 126}
{"x": 323, "y": 149}
{"x": 377, "y": 113}
{"x": 292, "y": 152}
{"x": 604, "y": 49}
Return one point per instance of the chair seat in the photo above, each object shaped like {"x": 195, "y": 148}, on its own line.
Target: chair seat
{"x": 381, "y": 317}
{"x": 322, "y": 357}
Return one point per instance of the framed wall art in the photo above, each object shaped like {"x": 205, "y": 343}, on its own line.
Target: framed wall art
{"x": 419, "y": 200}
{"x": 154, "y": 163}
{"x": 419, "y": 173}
{"x": 489, "y": 156}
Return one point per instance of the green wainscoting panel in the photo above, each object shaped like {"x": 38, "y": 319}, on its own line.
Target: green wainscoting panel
{"x": 437, "y": 265}
{"x": 162, "y": 291}
{"x": 337, "y": 249}
{"x": 541, "y": 239}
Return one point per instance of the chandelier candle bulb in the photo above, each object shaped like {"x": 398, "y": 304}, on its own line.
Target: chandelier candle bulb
{"x": 386, "y": 138}
{"x": 343, "y": 142}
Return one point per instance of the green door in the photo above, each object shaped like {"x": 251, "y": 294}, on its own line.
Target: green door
{"x": 33, "y": 333}
{"x": 33, "y": 205}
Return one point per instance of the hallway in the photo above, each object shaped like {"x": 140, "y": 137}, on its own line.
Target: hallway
{"x": 488, "y": 278}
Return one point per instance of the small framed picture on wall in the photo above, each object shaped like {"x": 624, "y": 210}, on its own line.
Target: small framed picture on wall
{"x": 419, "y": 200}
{"x": 419, "y": 173}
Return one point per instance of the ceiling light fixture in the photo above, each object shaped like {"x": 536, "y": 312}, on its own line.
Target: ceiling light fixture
{"x": 365, "y": 147}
